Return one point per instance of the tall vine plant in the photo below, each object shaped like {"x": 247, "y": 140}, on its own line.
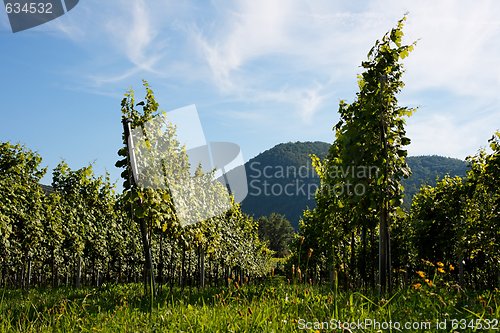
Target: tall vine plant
{"x": 361, "y": 175}
{"x": 150, "y": 206}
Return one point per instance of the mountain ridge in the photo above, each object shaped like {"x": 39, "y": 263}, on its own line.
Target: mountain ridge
{"x": 281, "y": 179}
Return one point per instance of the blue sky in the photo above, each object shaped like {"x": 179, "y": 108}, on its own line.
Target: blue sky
{"x": 260, "y": 72}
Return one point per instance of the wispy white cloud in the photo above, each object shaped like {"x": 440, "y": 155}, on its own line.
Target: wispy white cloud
{"x": 123, "y": 37}
{"x": 303, "y": 102}
{"x": 134, "y": 35}
{"x": 299, "y": 55}
{"x": 447, "y": 135}
{"x": 458, "y": 47}
{"x": 253, "y": 32}
{"x": 99, "y": 80}
{"x": 457, "y": 54}
{"x": 251, "y": 29}
{"x": 311, "y": 101}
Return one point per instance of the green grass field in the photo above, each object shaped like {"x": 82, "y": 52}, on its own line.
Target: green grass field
{"x": 274, "y": 306}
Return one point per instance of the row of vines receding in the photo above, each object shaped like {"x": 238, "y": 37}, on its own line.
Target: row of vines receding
{"x": 80, "y": 231}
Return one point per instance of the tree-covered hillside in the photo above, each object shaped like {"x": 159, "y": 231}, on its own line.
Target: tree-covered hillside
{"x": 289, "y": 164}
{"x": 282, "y": 180}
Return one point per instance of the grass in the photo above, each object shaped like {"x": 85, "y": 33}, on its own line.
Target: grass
{"x": 274, "y": 306}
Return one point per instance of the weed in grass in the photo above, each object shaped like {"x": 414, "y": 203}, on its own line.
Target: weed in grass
{"x": 271, "y": 307}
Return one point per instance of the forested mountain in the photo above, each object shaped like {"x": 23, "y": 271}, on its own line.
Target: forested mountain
{"x": 282, "y": 179}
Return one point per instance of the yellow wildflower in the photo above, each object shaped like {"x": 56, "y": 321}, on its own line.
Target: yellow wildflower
{"x": 441, "y": 270}
{"x": 452, "y": 268}
{"x": 421, "y": 274}
{"x": 417, "y": 285}
{"x": 440, "y": 264}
